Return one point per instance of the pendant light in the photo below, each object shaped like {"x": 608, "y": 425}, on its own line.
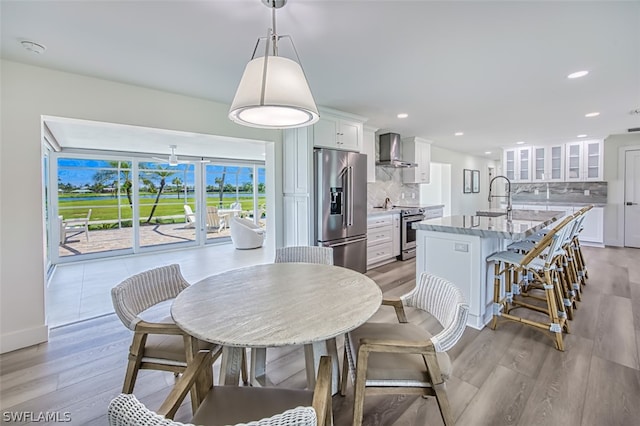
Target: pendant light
{"x": 273, "y": 92}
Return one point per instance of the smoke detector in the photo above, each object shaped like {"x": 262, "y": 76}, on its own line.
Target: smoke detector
{"x": 33, "y": 47}
{"x": 635, "y": 111}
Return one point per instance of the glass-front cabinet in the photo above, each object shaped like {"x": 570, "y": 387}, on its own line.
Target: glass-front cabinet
{"x": 572, "y": 161}
{"x": 517, "y": 164}
{"x": 584, "y": 160}
{"x": 548, "y": 163}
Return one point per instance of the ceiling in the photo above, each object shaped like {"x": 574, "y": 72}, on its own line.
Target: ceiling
{"x": 493, "y": 70}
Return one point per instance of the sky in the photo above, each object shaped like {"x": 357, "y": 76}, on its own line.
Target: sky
{"x": 79, "y": 172}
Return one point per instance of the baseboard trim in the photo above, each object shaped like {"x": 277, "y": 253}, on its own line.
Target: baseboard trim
{"x": 23, "y": 338}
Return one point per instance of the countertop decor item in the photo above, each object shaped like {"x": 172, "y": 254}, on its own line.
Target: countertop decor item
{"x": 273, "y": 92}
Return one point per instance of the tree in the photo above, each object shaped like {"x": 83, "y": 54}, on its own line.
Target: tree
{"x": 178, "y": 183}
{"x": 220, "y": 182}
{"x": 120, "y": 174}
{"x": 161, "y": 173}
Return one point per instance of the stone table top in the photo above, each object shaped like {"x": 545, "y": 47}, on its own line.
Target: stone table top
{"x": 276, "y": 304}
{"x": 492, "y": 227}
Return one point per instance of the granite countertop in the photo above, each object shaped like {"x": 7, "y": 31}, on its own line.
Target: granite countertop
{"x": 555, "y": 203}
{"x": 523, "y": 214}
{"x": 491, "y": 227}
{"x": 373, "y": 211}
{"x": 381, "y": 211}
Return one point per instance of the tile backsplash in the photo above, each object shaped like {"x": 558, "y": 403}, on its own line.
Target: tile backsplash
{"x": 389, "y": 184}
{"x": 559, "y": 192}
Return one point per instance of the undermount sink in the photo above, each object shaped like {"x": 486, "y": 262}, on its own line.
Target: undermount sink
{"x": 490, "y": 214}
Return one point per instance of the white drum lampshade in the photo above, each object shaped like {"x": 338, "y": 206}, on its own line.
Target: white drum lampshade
{"x": 275, "y": 97}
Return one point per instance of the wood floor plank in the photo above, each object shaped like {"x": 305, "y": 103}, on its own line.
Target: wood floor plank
{"x": 608, "y": 279}
{"x": 612, "y": 394}
{"x": 559, "y": 393}
{"x": 476, "y": 365}
{"x": 527, "y": 352}
{"x": 500, "y": 400}
{"x": 615, "y": 326}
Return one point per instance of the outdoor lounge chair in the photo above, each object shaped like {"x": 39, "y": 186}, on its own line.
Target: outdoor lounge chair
{"x": 189, "y": 217}
{"x": 76, "y": 227}
{"x": 245, "y": 234}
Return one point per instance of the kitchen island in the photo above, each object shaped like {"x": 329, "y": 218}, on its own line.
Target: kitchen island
{"x": 456, "y": 248}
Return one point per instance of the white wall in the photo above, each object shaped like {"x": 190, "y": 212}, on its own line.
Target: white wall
{"x": 438, "y": 190}
{"x": 614, "y": 176}
{"x": 465, "y": 204}
{"x": 27, "y": 93}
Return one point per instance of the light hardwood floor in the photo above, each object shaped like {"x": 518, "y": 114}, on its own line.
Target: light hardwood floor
{"x": 510, "y": 376}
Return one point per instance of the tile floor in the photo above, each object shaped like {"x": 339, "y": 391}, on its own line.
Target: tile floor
{"x": 79, "y": 291}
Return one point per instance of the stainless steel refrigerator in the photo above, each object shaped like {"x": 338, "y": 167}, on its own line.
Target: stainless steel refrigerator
{"x": 341, "y": 206}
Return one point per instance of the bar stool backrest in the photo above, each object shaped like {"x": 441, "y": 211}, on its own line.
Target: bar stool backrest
{"x": 545, "y": 242}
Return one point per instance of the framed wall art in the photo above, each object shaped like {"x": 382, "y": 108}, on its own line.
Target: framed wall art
{"x": 475, "y": 181}
{"x": 467, "y": 180}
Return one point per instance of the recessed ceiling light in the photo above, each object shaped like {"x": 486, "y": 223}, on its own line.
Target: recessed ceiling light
{"x": 578, "y": 74}
{"x": 33, "y": 47}
{"x": 487, "y": 152}
{"x": 403, "y": 115}
{"x": 519, "y": 142}
{"x": 581, "y": 136}
{"x": 459, "y": 133}
{"x": 592, "y": 114}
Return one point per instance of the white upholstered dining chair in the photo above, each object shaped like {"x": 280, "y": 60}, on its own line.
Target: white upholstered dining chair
{"x": 403, "y": 357}
{"x": 227, "y": 405}
{"x": 158, "y": 343}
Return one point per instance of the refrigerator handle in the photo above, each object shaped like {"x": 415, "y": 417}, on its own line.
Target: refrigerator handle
{"x": 350, "y": 195}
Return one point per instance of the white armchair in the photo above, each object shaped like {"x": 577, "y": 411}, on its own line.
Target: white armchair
{"x": 245, "y": 234}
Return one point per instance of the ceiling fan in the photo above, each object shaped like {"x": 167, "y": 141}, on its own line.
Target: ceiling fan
{"x": 173, "y": 158}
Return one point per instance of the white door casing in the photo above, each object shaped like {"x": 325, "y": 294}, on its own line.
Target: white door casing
{"x": 632, "y": 199}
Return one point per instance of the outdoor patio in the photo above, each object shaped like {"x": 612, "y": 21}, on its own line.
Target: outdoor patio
{"x": 102, "y": 240}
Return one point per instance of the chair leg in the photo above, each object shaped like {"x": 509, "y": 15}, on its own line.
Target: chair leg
{"x": 136, "y": 351}
{"x": 553, "y": 311}
{"x": 345, "y": 369}
{"x": 359, "y": 386}
{"x": 443, "y": 403}
{"x": 496, "y": 293}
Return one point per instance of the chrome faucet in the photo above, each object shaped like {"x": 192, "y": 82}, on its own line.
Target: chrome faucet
{"x": 507, "y": 196}
{"x": 387, "y": 203}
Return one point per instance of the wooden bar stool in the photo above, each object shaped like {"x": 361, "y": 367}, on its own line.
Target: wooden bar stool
{"x": 539, "y": 270}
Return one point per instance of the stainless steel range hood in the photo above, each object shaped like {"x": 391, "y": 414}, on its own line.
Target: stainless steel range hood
{"x": 391, "y": 152}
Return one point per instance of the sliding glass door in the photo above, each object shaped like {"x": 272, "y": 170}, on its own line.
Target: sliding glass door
{"x": 108, "y": 205}
{"x": 163, "y": 193}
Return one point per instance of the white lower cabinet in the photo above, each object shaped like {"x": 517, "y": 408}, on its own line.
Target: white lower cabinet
{"x": 593, "y": 227}
{"x": 383, "y": 234}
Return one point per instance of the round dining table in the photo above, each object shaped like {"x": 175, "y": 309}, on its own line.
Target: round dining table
{"x": 273, "y": 305}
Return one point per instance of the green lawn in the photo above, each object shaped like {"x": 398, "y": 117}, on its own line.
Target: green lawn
{"x": 170, "y": 207}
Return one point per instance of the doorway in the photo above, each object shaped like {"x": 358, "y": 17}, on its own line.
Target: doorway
{"x": 632, "y": 199}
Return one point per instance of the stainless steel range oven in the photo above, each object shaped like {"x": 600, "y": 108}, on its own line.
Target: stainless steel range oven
{"x": 407, "y": 234}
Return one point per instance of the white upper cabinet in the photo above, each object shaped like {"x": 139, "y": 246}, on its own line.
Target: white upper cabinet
{"x": 573, "y": 161}
{"x": 584, "y": 160}
{"x": 369, "y": 148}
{"x": 416, "y": 150}
{"x": 547, "y": 163}
{"x": 518, "y": 164}
{"x": 338, "y": 132}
